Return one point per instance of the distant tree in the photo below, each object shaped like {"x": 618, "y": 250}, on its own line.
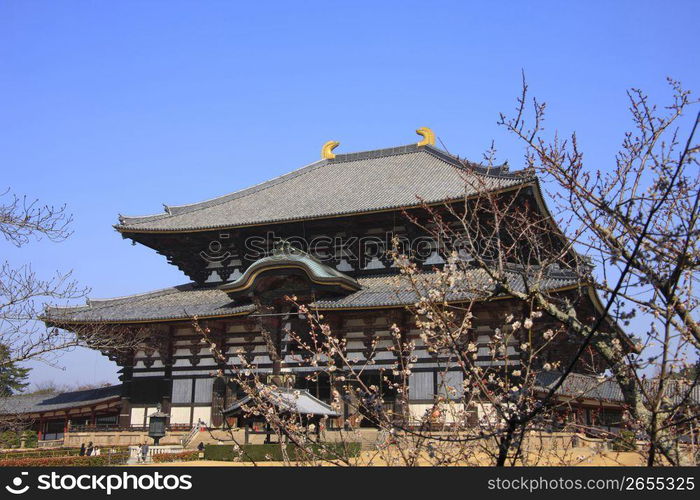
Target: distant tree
{"x": 689, "y": 372}
{"x": 12, "y": 377}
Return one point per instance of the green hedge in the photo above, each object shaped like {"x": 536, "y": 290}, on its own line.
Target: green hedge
{"x": 273, "y": 452}
{"x": 184, "y": 456}
{"x": 53, "y": 452}
{"x": 39, "y": 453}
{"x": 67, "y": 461}
{"x": 625, "y": 441}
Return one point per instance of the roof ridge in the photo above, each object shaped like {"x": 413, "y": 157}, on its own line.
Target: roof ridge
{"x": 262, "y": 186}
{"x": 241, "y": 193}
{"x": 256, "y": 188}
{"x": 96, "y": 303}
{"x": 376, "y": 153}
{"x": 154, "y": 293}
{"x": 44, "y": 395}
{"x": 105, "y": 388}
{"x": 453, "y": 179}
{"x": 496, "y": 171}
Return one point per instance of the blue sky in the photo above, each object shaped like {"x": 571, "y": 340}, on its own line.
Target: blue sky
{"x": 118, "y": 107}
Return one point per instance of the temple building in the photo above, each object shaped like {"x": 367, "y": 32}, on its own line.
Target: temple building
{"x": 321, "y": 233}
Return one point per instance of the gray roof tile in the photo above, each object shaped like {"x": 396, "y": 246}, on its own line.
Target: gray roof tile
{"x": 351, "y": 183}
{"x": 35, "y": 403}
{"x": 179, "y": 302}
{"x": 578, "y": 385}
{"x": 290, "y": 400}
{"x": 185, "y": 301}
{"x": 395, "y": 290}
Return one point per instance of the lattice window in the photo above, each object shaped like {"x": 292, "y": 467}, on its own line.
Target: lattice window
{"x": 450, "y": 384}
{"x": 203, "y": 390}
{"x": 421, "y": 386}
{"x": 182, "y": 390}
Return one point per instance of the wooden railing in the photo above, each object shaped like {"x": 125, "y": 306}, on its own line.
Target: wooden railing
{"x": 193, "y": 432}
{"x": 136, "y": 455}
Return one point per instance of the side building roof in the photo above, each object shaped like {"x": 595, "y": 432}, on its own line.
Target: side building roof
{"x": 296, "y": 401}
{"x": 39, "y": 403}
{"x": 578, "y": 385}
{"x": 353, "y": 183}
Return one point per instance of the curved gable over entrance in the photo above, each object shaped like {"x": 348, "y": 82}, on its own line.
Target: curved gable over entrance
{"x": 288, "y": 262}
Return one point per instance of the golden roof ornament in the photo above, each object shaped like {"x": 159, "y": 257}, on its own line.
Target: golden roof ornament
{"x": 428, "y": 136}
{"x": 327, "y": 150}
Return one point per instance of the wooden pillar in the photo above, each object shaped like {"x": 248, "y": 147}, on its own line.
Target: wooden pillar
{"x": 166, "y": 352}
{"x": 124, "y": 419}
{"x": 126, "y": 361}
{"x": 268, "y": 433}
{"x": 218, "y": 390}
{"x": 270, "y": 324}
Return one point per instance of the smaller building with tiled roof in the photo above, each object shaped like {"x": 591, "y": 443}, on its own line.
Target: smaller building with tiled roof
{"x": 53, "y": 414}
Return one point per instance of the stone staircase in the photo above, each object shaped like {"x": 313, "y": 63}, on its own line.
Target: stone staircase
{"x": 210, "y": 436}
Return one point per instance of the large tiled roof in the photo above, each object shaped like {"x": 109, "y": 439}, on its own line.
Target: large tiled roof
{"x": 36, "y": 403}
{"x": 348, "y": 184}
{"x": 186, "y": 301}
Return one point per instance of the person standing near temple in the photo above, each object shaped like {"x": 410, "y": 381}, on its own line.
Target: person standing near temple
{"x": 89, "y": 449}
{"x": 144, "y": 452}
{"x": 82, "y": 450}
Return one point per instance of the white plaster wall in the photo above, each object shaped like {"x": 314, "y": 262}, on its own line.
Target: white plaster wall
{"x": 203, "y": 413}
{"x": 450, "y": 413}
{"x": 180, "y": 415}
{"x": 137, "y": 415}
{"x": 418, "y": 410}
